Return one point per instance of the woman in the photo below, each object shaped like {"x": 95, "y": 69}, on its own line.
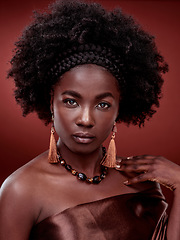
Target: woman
{"x": 83, "y": 69}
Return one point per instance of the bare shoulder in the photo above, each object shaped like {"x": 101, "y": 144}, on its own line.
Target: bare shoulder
{"x": 19, "y": 201}
{"x": 23, "y": 182}
{"x": 24, "y": 177}
{"x": 23, "y": 186}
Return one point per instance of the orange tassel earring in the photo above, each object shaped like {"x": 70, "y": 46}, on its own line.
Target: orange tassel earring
{"x": 110, "y": 157}
{"x": 52, "y": 157}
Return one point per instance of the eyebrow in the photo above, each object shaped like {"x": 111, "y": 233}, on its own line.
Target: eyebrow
{"x": 72, "y": 93}
{"x": 104, "y": 95}
{"x": 75, "y": 94}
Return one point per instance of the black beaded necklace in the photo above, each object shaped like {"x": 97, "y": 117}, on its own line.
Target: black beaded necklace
{"x": 82, "y": 176}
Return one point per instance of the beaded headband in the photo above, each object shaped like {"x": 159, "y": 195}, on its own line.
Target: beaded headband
{"x": 88, "y": 54}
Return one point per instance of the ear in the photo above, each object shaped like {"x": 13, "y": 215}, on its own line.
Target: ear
{"x": 51, "y": 103}
{"x": 114, "y": 129}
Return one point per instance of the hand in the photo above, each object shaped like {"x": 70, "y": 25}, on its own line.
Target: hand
{"x": 151, "y": 168}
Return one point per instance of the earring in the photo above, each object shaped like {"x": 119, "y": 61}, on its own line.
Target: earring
{"x": 110, "y": 157}
{"x": 52, "y": 157}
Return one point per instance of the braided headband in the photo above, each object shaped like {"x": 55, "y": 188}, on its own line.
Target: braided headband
{"x": 87, "y": 54}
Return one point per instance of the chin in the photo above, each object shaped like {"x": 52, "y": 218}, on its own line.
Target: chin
{"x": 83, "y": 148}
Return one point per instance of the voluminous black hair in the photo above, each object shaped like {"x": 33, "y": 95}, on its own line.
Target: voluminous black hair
{"x": 72, "y": 23}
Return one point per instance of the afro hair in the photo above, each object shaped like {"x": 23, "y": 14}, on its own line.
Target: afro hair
{"x": 70, "y": 23}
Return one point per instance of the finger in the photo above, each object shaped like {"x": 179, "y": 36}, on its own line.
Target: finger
{"x": 142, "y": 159}
{"x": 141, "y": 178}
{"x": 136, "y": 161}
{"x": 145, "y": 156}
{"x": 134, "y": 168}
{"x": 144, "y": 177}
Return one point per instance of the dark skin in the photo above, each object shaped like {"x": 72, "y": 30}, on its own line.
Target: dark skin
{"x": 39, "y": 189}
{"x": 160, "y": 170}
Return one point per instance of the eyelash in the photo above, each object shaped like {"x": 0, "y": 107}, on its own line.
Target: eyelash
{"x": 72, "y": 103}
{"x": 107, "y": 105}
{"x": 68, "y": 100}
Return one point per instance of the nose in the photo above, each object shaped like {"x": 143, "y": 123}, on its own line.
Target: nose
{"x": 85, "y": 118}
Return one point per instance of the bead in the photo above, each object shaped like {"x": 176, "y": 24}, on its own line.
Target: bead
{"x": 63, "y": 163}
{"x": 74, "y": 172}
{"x": 89, "y": 180}
{"x": 102, "y": 176}
{"x": 81, "y": 176}
{"x": 96, "y": 179}
{"x": 68, "y": 167}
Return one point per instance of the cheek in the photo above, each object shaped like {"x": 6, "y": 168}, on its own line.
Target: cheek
{"x": 105, "y": 127}
{"x": 106, "y": 122}
{"x": 62, "y": 121}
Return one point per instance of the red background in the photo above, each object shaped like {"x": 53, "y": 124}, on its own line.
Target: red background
{"x": 24, "y": 138}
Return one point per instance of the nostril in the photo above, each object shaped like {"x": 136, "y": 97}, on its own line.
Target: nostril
{"x": 85, "y": 119}
{"x": 82, "y": 122}
{"x": 87, "y": 125}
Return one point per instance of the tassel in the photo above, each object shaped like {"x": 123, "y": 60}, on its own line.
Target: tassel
{"x": 52, "y": 157}
{"x": 110, "y": 157}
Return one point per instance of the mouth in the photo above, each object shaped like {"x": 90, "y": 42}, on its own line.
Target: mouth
{"x": 83, "y": 137}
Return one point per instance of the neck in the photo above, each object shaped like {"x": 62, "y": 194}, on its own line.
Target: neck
{"x": 82, "y": 162}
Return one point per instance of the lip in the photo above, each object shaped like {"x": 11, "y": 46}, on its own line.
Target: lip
{"x": 82, "y": 137}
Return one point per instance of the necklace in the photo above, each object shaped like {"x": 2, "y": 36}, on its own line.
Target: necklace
{"x": 82, "y": 176}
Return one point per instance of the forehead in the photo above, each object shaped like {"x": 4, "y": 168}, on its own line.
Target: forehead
{"x": 89, "y": 77}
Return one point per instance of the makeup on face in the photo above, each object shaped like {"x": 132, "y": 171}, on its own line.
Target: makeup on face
{"x": 86, "y": 103}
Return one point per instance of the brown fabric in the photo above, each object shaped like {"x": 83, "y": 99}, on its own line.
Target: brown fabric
{"x": 160, "y": 230}
{"x": 133, "y": 216}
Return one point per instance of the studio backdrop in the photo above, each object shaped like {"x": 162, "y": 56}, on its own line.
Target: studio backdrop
{"x": 24, "y": 138}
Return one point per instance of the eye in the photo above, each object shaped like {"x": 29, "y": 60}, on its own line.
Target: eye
{"x": 70, "y": 102}
{"x": 103, "y": 105}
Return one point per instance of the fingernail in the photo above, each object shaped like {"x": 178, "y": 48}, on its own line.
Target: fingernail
{"x": 118, "y": 167}
{"x": 129, "y": 158}
{"x": 118, "y": 164}
{"x": 118, "y": 161}
{"x": 126, "y": 182}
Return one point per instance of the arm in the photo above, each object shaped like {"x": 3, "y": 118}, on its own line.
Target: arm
{"x": 17, "y": 209}
{"x": 163, "y": 171}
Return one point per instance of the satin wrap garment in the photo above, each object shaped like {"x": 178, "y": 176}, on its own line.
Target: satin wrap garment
{"x": 132, "y": 216}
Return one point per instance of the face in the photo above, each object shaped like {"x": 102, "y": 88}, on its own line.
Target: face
{"x": 85, "y": 105}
